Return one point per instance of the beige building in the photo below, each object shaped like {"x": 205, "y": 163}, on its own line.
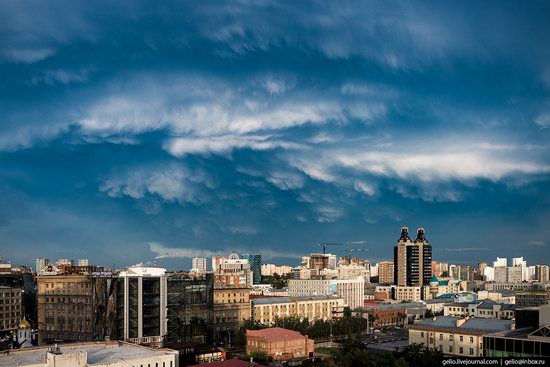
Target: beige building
{"x": 64, "y": 304}
{"x": 385, "y": 292}
{"x": 385, "y": 272}
{"x": 455, "y": 336}
{"x": 542, "y": 273}
{"x": 271, "y": 269}
{"x": 231, "y": 308}
{"x": 266, "y": 310}
{"x": 279, "y": 344}
{"x": 100, "y": 354}
{"x": 10, "y": 308}
{"x": 351, "y": 290}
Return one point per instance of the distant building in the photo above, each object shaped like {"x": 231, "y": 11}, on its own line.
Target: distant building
{"x": 351, "y": 290}
{"x": 255, "y": 262}
{"x": 198, "y": 264}
{"x": 455, "y": 336}
{"x": 266, "y": 310}
{"x": 509, "y": 274}
{"x": 542, "y": 273}
{"x": 141, "y": 305}
{"x": 386, "y": 272}
{"x": 60, "y": 262}
{"x": 82, "y": 262}
{"x": 41, "y": 263}
{"x": 532, "y": 298}
{"x": 232, "y": 271}
{"x": 99, "y": 354}
{"x": 278, "y": 343}
{"x": 412, "y": 260}
{"x": 271, "y": 269}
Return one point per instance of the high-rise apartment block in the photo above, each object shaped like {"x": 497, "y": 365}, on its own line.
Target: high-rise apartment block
{"x": 542, "y": 273}
{"x": 255, "y": 262}
{"x": 412, "y": 259}
{"x": 10, "y": 308}
{"x": 386, "y": 272}
{"x": 83, "y": 262}
{"x": 198, "y": 264}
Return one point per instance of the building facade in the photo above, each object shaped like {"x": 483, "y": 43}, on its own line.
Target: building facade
{"x": 141, "y": 305}
{"x": 386, "y": 272}
{"x": 255, "y": 262}
{"x": 198, "y": 264}
{"x": 231, "y": 309}
{"x": 279, "y": 344}
{"x": 267, "y": 310}
{"x": 10, "y": 308}
{"x": 412, "y": 259}
{"x": 351, "y": 290}
{"x": 65, "y": 310}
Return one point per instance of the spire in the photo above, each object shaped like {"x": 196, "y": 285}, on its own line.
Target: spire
{"x": 420, "y": 235}
{"x": 404, "y": 234}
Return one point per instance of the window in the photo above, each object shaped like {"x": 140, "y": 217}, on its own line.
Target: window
{"x": 461, "y": 338}
{"x": 450, "y": 348}
{"x": 440, "y": 336}
{"x": 471, "y": 351}
{"x": 460, "y": 350}
{"x": 471, "y": 339}
{"x": 421, "y": 334}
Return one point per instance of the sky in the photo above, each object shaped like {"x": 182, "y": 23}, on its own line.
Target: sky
{"x": 136, "y": 131}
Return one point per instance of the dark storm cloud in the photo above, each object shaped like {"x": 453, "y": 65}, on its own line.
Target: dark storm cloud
{"x": 172, "y": 129}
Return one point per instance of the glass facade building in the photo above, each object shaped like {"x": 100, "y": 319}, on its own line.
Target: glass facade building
{"x": 255, "y": 262}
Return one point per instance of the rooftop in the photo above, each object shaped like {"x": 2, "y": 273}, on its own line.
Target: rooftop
{"x": 270, "y": 300}
{"x": 476, "y": 325}
{"x": 275, "y": 334}
{"x": 98, "y": 353}
{"x": 229, "y": 363}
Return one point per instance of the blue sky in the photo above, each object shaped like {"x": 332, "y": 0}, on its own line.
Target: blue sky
{"x": 133, "y": 130}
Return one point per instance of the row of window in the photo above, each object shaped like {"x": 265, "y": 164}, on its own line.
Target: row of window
{"x": 461, "y": 337}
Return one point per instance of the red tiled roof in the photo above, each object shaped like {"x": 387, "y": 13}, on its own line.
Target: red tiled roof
{"x": 275, "y": 334}
{"x": 229, "y": 363}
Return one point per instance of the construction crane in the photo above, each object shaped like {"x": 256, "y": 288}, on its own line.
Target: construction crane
{"x": 329, "y": 244}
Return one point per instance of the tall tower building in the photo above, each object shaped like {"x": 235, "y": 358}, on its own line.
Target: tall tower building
{"x": 412, "y": 259}
{"x": 198, "y": 264}
{"x": 255, "y": 262}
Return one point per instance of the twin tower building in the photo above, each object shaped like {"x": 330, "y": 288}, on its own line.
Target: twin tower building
{"x": 412, "y": 259}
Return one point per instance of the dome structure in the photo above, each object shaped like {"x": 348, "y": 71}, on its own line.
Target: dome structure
{"x": 24, "y": 324}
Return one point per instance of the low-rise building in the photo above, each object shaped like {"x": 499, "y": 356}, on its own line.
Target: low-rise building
{"x": 398, "y": 293}
{"x": 266, "y": 310}
{"x": 279, "y": 344}
{"x": 456, "y": 336}
{"x": 100, "y": 354}
{"x": 492, "y": 310}
{"x": 532, "y": 298}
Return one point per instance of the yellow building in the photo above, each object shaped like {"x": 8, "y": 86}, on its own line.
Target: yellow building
{"x": 231, "y": 309}
{"x": 64, "y": 305}
{"x": 266, "y": 310}
{"x": 10, "y": 308}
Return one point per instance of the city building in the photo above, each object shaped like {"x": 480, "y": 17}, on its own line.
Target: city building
{"x": 141, "y": 305}
{"x": 508, "y": 274}
{"x": 393, "y": 292}
{"x": 532, "y": 298}
{"x": 279, "y": 344}
{"x": 500, "y": 296}
{"x": 60, "y": 262}
{"x": 385, "y": 272}
{"x": 231, "y": 309}
{"x": 412, "y": 259}
{"x": 190, "y": 308}
{"x": 198, "y": 264}
{"x": 255, "y": 262}
{"x": 455, "y": 336}
{"x": 64, "y": 306}
{"x": 532, "y": 286}
{"x": 542, "y": 273}
{"x": 10, "y": 308}
{"x": 500, "y": 262}
{"x": 319, "y": 261}
{"x": 232, "y": 271}
{"x": 271, "y": 269}
{"x": 266, "y": 310}
{"x": 351, "y": 290}
{"x": 82, "y": 262}
{"x": 24, "y": 337}
{"x": 41, "y": 263}
{"x": 98, "y": 354}
{"x": 531, "y": 337}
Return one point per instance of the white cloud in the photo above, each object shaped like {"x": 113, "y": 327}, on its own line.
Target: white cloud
{"x": 173, "y": 184}
{"x": 543, "y": 120}
{"x": 161, "y": 252}
{"x": 27, "y": 55}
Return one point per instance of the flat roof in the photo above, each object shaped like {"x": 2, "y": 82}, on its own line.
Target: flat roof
{"x": 270, "y": 300}
{"x": 475, "y": 325}
{"x": 98, "y": 353}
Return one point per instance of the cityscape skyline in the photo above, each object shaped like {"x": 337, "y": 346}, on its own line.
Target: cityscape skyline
{"x": 270, "y": 127}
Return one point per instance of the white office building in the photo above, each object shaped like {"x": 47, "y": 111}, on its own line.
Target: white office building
{"x": 351, "y": 290}
{"x": 198, "y": 264}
